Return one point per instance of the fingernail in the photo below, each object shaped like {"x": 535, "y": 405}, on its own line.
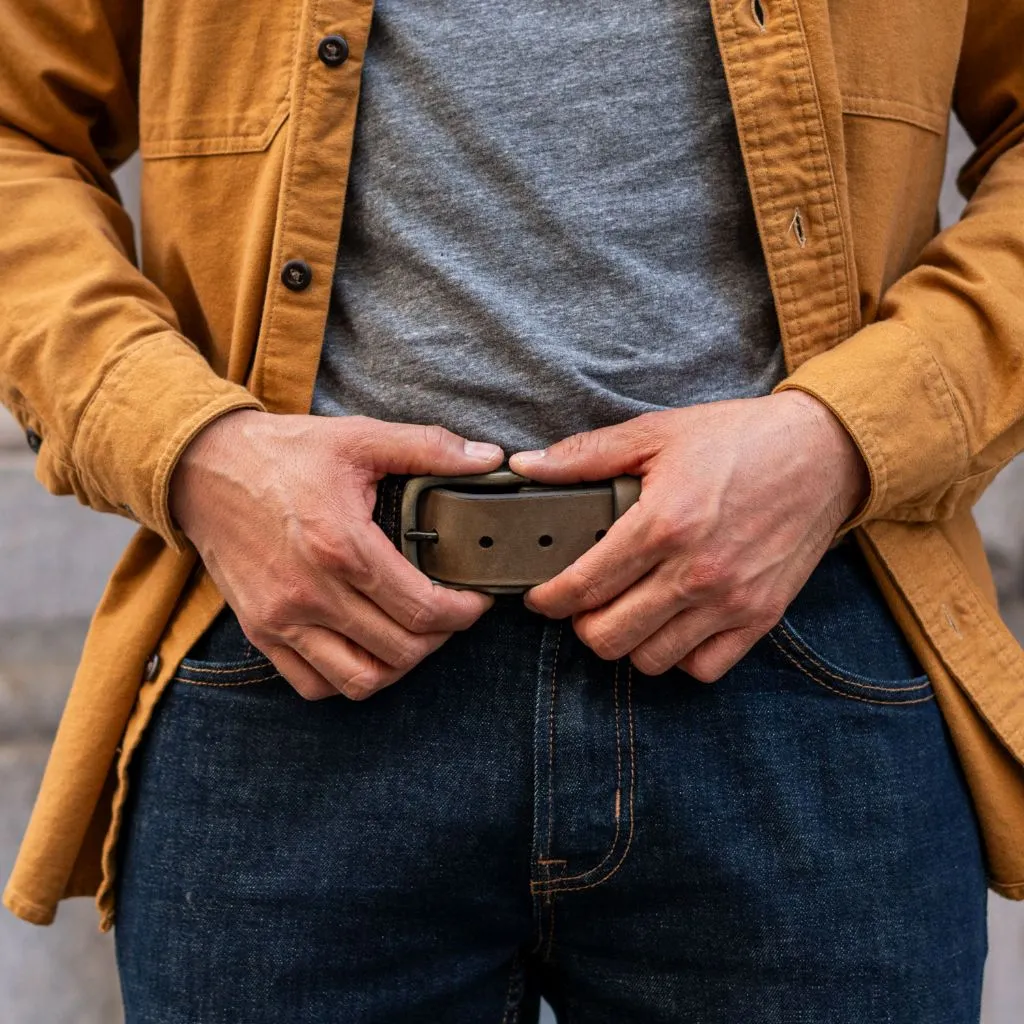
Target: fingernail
{"x": 534, "y": 456}
{"x": 481, "y": 450}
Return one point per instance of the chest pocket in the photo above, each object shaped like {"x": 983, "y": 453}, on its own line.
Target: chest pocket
{"x": 215, "y": 77}
{"x": 897, "y": 58}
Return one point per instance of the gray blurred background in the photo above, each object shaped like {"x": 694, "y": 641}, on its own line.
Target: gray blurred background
{"x": 54, "y": 559}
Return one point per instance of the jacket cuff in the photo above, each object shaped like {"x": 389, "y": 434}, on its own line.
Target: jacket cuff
{"x": 146, "y": 411}
{"x": 888, "y": 390}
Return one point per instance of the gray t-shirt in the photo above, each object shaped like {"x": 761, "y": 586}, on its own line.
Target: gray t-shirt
{"x": 548, "y": 228}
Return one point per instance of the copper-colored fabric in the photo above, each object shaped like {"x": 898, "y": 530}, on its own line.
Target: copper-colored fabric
{"x": 915, "y": 340}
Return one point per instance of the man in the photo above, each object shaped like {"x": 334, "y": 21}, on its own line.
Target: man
{"x": 688, "y": 245}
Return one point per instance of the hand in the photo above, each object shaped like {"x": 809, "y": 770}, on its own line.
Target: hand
{"x": 280, "y": 509}
{"x": 739, "y": 501}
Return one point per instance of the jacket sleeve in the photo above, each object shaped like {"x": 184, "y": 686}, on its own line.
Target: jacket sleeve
{"x": 91, "y": 356}
{"x": 933, "y": 391}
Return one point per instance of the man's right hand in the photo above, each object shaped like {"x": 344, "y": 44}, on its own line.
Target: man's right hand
{"x": 280, "y": 509}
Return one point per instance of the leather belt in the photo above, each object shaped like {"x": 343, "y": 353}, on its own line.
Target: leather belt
{"x": 501, "y": 533}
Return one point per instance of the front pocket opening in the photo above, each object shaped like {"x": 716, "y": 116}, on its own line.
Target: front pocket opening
{"x": 915, "y": 690}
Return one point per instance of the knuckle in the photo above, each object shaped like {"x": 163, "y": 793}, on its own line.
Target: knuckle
{"x": 435, "y": 438}
{"x": 356, "y": 566}
{"x": 367, "y": 677}
{"x": 773, "y": 611}
{"x": 648, "y": 662}
{"x": 365, "y": 683}
{"x": 678, "y": 589}
{"x": 708, "y": 571}
{"x": 600, "y": 637}
{"x": 667, "y": 533}
{"x": 259, "y": 637}
{"x": 588, "y": 589}
{"x": 578, "y": 444}
{"x": 307, "y": 691}
{"x": 700, "y": 667}
{"x": 325, "y": 547}
{"x": 423, "y": 617}
{"x": 407, "y": 655}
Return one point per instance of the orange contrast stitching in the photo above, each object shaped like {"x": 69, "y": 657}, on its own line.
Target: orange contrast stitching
{"x": 812, "y": 657}
{"x": 243, "y": 682}
{"x": 556, "y": 886}
{"x": 843, "y": 693}
{"x": 551, "y": 745}
{"x": 225, "y": 671}
{"x": 618, "y": 789}
{"x": 632, "y": 792}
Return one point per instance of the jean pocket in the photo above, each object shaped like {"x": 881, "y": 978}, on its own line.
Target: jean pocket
{"x": 839, "y": 633}
{"x": 223, "y": 656}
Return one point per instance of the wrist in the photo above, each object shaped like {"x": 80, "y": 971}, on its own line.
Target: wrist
{"x": 207, "y": 452}
{"x": 850, "y": 476}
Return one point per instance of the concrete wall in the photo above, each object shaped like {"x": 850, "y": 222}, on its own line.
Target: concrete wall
{"x": 54, "y": 557}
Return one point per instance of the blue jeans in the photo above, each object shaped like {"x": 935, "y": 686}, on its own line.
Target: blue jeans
{"x": 517, "y": 817}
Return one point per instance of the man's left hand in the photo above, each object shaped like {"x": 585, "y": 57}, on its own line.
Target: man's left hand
{"x": 739, "y": 501}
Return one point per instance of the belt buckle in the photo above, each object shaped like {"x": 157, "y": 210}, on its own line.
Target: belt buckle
{"x": 624, "y": 489}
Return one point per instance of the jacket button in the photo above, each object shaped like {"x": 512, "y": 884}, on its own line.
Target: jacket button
{"x": 35, "y": 442}
{"x": 297, "y": 275}
{"x": 152, "y": 667}
{"x": 333, "y": 50}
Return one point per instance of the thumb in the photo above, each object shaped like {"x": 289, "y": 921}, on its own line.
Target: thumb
{"x": 419, "y": 449}
{"x": 593, "y": 455}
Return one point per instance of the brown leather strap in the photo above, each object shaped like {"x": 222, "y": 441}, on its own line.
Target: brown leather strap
{"x": 508, "y": 540}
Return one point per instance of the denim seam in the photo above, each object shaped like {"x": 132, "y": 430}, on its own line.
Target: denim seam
{"x": 803, "y": 648}
{"x": 557, "y": 886}
{"x": 225, "y": 670}
{"x": 548, "y": 860}
{"x": 251, "y": 681}
{"x": 513, "y": 995}
{"x": 618, "y": 789}
{"x": 393, "y": 518}
{"x": 843, "y": 693}
{"x": 550, "y": 944}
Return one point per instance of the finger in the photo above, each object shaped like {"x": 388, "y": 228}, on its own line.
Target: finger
{"x": 349, "y": 668}
{"x": 602, "y": 572}
{"x": 413, "y": 600}
{"x": 379, "y": 635}
{"x": 421, "y": 449}
{"x": 676, "y": 639}
{"x": 621, "y": 625}
{"x": 594, "y": 454}
{"x": 299, "y": 674}
{"x": 710, "y": 660}
{"x": 340, "y": 608}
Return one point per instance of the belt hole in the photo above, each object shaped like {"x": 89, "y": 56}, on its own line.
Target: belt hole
{"x": 486, "y": 542}
{"x": 760, "y": 14}
{"x": 599, "y": 534}
{"x": 545, "y": 540}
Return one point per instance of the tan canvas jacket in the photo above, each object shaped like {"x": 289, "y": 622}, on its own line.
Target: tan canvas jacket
{"x": 914, "y": 339}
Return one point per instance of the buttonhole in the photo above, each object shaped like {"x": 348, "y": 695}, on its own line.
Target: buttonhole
{"x": 544, "y": 540}
{"x": 757, "y": 8}
{"x": 486, "y": 542}
{"x": 796, "y": 225}
{"x": 599, "y": 534}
